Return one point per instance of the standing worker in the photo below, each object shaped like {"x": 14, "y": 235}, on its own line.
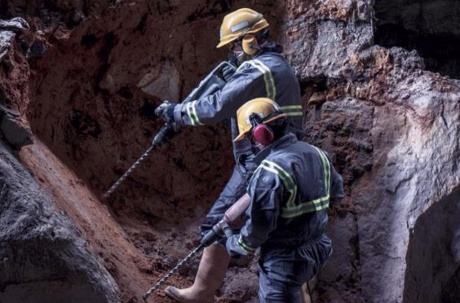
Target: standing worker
{"x": 261, "y": 71}
{"x": 290, "y": 193}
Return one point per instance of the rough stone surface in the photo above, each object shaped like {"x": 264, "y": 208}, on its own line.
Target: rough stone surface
{"x": 43, "y": 257}
{"x": 14, "y": 127}
{"x": 390, "y": 126}
{"x": 430, "y": 27}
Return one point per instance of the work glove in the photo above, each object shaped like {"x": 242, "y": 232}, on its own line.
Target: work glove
{"x": 233, "y": 249}
{"x": 166, "y": 111}
{"x": 218, "y": 231}
{"x": 212, "y": 235}
{"x": 204, "y": 229}
{"x": 228, "y": 72}
{"x": 208, "y": 223}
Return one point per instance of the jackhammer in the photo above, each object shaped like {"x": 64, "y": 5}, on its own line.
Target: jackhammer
{"x": 222, "y": 229}
{"x": 213, "y": 82}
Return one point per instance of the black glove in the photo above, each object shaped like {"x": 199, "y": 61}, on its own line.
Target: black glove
{"x": 211, "y": 236}
{"x": 166, "y": 111}
{"x": 228, "y": 72}
{"x": 217, "y": 232}
{"x": 204, "y": 229}
{"x": 209, "y": 221}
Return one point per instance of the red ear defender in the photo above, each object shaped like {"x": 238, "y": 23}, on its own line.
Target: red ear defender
{"x": 263, "y": 134}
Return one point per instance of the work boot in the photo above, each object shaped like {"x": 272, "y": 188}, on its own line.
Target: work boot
{"x": 211, "y": 273}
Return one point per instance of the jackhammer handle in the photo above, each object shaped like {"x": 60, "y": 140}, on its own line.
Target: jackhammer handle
{"x": 224, "y": 227}
{"x": 237, "y": 209}
{"x": 211, "y": 83}
{"x": 212, "y": 235}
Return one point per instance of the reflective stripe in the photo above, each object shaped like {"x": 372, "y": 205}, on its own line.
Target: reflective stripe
{"x": 286, "y": 178}
{"x": 292, "y": 209}
{"x": 244, "y": 246}
{"x": 317, "y": 204}
{"x": 191, "y": 113}
{"x": 306, "y": 207}
{"x": 326, "y": 168}
{"x": 292, "y": 110}
{"x": 268, "y": 78}
{"x": 239, "y": 26}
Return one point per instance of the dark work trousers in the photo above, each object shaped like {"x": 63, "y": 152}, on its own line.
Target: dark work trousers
{"x": 282, "y": 272}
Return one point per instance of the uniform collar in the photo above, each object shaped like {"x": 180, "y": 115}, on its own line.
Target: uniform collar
{"x": 285, "y": 140}
{"x": 272, "y": 47}
{"x": 269, "y": 47}
{"x": 282, "y": 142}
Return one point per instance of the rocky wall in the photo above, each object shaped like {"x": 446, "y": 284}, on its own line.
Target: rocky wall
{"x": 390, "y": 126}
{"x": 430, "y": 27}
{"x": 396, "y": 123}
{"x": 44, "y": 258}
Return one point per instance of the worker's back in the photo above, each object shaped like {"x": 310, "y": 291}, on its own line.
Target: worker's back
{"x": 308, "y": 177}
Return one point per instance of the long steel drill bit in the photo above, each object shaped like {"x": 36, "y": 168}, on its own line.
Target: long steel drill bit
{"x": 171, "y": 272}
{"x": 159, "y": 139}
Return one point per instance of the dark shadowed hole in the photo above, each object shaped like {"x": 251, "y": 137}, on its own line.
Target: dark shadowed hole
{"x": 431, "y": 28}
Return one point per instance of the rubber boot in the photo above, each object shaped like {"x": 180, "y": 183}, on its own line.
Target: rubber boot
{"x": 211, "y": 273}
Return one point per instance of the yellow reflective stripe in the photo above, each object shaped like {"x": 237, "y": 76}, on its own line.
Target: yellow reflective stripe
{"x": 268, "y": 78}
{"x": 292, "y": 106}
{"x": 306, "y": 207}
{"x": 286, "y": 178}
{"x": 292, "y": 209}
{"x": 321, "y": 203}
{"x": 292, "y": 110}
{"x": 326, "y": 168}
{"x": 244, "y": 246}
{"x": 191, "y": 113}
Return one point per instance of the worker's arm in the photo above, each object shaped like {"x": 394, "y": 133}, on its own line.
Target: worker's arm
{"x": 214, "y": 108}
{"x": 224, "y": 227}
{"x": 266, "y": 191}
{"x": 245, "y": 84}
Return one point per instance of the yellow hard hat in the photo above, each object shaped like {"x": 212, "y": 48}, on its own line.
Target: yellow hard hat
{"x": 262, "y": 107}
{"x": 239, "y": 23}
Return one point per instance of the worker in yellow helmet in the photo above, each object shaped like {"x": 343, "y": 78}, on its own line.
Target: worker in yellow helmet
{"x": 261, "y": 71}
{"x": 290, "y": 193}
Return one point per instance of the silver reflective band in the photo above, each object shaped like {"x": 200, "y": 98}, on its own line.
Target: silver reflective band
{"x": 244, "y": 246}
{"x": 192, "y": 114}
{"x": 239, "y": 26}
